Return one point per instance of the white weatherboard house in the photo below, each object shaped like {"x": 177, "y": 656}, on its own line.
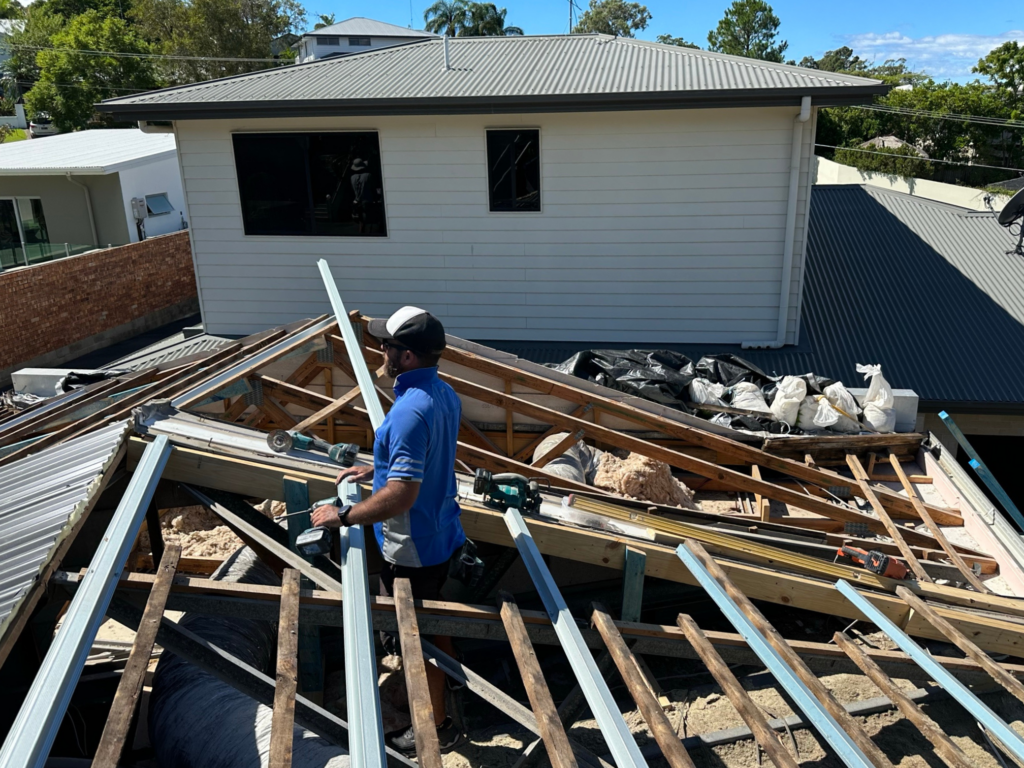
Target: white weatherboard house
{"x": 577, "y": 187}
{"x": 355, "y": 35}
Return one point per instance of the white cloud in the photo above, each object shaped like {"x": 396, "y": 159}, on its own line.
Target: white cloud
{"x": 941, "y": 56}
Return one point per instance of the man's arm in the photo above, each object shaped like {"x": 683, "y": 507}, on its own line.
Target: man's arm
{"x": 392, "y": 500}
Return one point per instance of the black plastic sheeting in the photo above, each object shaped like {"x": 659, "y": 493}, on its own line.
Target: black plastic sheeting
{"x": 663, "y": 376}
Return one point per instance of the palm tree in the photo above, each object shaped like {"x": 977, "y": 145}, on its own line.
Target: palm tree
{"x": 326, "y": 20}
{"x": 446, "y": 17}
{"x": 486, "y": 19}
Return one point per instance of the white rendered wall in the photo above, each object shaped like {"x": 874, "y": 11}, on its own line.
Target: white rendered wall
{"x": 149, "y": 179}
{"x": 310, "y": 50}
{"x": 661, "y": 226}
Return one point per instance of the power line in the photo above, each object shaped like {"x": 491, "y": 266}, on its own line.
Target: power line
{"x": 981, "y": 119}
{"x": 921, "y": 159}
{"x": 126, "y": 55}
{"x": 83, "y": 85}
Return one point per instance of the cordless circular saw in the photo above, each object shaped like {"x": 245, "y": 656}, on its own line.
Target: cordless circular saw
{"x": 508, "y": 489}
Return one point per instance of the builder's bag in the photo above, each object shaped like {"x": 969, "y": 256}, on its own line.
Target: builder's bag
{"x": 879, "y": 403}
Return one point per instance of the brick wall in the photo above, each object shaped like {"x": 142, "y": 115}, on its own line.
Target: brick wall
{"x": 53, "y": 312}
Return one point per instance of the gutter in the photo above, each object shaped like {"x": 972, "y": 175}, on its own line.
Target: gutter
{"x": 88, "y": 208}
{"x": 790, "y": 236}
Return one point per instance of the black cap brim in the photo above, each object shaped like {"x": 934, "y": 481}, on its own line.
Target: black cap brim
{"x": 378, "y": 328}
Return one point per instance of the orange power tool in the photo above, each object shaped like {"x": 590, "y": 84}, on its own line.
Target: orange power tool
{"x": 874, "y": 561}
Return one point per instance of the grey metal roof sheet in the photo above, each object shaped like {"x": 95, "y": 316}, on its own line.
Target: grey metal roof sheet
{"x": 94, "y": 152}
{"x": 360, "y": 25}
{"x": 40, "y": 497}
{"x": 558, "y": 73}
{"x": 167, "y": 350}
{"x": 924, "y": 288}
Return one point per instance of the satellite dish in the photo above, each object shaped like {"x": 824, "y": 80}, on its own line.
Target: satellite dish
{"x": 1013, "y": 214}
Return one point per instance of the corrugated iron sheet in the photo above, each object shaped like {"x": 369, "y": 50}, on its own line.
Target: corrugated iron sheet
{"x": 41, "y": 496}
{"x": 360, "y": 25}
{"x": 504, "y": 67}
{"x": 925, "y": 289}
{"x": 168, "y": 350}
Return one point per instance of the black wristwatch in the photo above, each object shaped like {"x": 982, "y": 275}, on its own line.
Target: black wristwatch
{"x": 343, "y": 514}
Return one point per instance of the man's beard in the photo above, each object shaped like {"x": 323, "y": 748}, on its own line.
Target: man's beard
{"x": 390, "y": 368}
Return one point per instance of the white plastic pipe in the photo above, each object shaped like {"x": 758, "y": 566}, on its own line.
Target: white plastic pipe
{"x": 790, "y": 236}
{"x": 447, "y": 60}
{"x": 88, "y": 209}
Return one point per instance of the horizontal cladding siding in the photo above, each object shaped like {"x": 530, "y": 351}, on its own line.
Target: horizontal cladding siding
{"x": 656, "y": 227}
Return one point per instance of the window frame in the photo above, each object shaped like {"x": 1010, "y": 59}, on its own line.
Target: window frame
{"x": 313, "y": 238}
{"x": 325, "y": 41}
{"x": 165, "y": 197}
{"x": 540, "y": 168}
{"x": 367, "y": 44}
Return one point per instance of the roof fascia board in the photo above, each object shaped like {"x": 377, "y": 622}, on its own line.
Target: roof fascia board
{"x": 86, "y": 171}
{"x": 157, "y": 157}
{"x": 823, "y": 97}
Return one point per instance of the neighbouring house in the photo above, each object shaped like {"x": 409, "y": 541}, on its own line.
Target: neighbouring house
{"x": 582, "y": 187}
{"x": 892, "y": 142}
{"x": 73, "y": 192}
{"x": 355, "y": 35}
{"x": 7, "y": 26}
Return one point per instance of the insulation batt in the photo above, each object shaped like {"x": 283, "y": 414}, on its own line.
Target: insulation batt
{"x": 196, "y": 721}
{"x": 640, "y": 477}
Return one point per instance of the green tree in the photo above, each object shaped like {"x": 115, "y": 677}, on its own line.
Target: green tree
{"x": 326, "y": 20}
{"x": 682, "y": 43}
{"x": 486, "y": 19}
{"x": 895, "y": 161}
{"x": 446, "y": 17}
{"x": 69, "y": 9}
{"x": 613, "y": 17}
{"x": 71, "y": 82}
{"x": 11, "y": 9}
{"x": 21, "y": 71}
{"x": 749, "y": 28}
{"x": 1004, "y": 66}
{"x": 214, "y": 30}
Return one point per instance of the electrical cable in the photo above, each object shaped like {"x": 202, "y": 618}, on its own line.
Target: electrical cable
{"x": 932, "y": 115}
{"x": 922, "y": 159}
{"x": 127, "y": 55}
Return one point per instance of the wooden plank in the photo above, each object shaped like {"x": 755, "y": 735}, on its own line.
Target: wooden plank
{"x": 634, "y": 566}
{"x": 551, "y": 730}
{"x": 944, "y": 746}
{"x": 233, "y": 413}
{"x": 277, "y": 412}
{"x": 559, "y": 448}
{"x": 964, "y": 643}
{"x": 100, "y": 390}
{"x": 655, "y": 717}
{"x": 486, "y": 442}
{"x": 328, "y": 411}
{"x": 510, "y": 444}
{"x": 308, "y": 370}
{"x": 290, "y": 393}
{"x": 778, "y": 642}
{"x": 762, "y": 506}
{"x": 141, "y": 583}
{"x": 737, "y": 480}
{"x": 765, "y": 735}
{"x": 329, "y": 391}
{"x": 526, "y": 453}
{"x": 311, "y": 665}
{"x": 428, "y": 750}
{"x": 108, "y": 752}
{"x": 894, "y": 531}
{"x": 282, "y": 723}
{"x": 940, "y": 537}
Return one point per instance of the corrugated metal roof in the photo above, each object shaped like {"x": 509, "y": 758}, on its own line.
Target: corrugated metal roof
{"x": 94, "y": 152}
{"x": 42, "y": 495}
{"x": 360, "y": 25}
{"x": 925, "y": 289}
{"x": 172, "y": 348}
{"x": 560, "y": 69}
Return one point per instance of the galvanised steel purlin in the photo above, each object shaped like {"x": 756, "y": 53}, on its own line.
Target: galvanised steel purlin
{"x": 30, "y": 738}
{"x": 816, "y": 714}
{"x": 1007, "y": 737}
{"x": 224, "y": 378}
{"x": 366, "y": 724}
{"x": 616, "y": 733}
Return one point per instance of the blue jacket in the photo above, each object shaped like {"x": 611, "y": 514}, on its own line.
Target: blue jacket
{"x": 416, "y": 443}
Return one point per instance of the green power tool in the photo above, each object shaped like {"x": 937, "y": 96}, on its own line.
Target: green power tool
{"x": 282, "y": 441}
{"x": 506, "y": 490}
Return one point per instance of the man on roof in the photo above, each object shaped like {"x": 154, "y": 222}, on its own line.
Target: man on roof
{"x": 412, "y": 509}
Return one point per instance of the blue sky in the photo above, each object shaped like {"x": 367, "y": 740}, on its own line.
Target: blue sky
{"x": 939, "y": 36}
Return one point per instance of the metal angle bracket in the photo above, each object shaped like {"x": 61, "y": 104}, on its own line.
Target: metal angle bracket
{"x": 996, "y": 727}
{"x": 816, "y": 714}
{"x": 616, "y": 733}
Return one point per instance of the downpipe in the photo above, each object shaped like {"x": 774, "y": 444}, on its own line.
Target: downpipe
{"x": 88, "y": 209}
{"x": 790, "y": 236}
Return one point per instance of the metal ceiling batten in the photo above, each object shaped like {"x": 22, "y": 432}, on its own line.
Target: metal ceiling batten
{"x": 365, "y": 722}
{"x": 42, "y": 712}
{"x": 816, "y": 714}
{"x": 996, "y": 727}
{"x": 616, "y": 733}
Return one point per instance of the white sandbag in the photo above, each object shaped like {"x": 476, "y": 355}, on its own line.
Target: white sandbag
{"x": 703, "y": 392}
{"x": 786, "y": 405}
{"x": 749, "y": 396}
{"x": 846, "y": 407}
{"x": 808, "y": 418}
{"x": 879, "y": 403}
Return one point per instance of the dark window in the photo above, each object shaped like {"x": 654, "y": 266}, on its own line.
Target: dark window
{"x": 326, "y": 184}
{"x": 333, "y": 42}
{"x": 355, "y": 42}
{"x": 513, "y": 166}
{"x": 158, "y": 205}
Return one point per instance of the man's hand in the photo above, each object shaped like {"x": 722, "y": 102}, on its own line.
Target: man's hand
{"x": 326, "y": 516}
{"x": 362, "y": 474}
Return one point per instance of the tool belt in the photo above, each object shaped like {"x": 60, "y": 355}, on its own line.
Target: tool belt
{"x": 465, "y": 566}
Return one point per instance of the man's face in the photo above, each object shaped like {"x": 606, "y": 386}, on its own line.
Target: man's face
{"x": 397, "y": 359}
